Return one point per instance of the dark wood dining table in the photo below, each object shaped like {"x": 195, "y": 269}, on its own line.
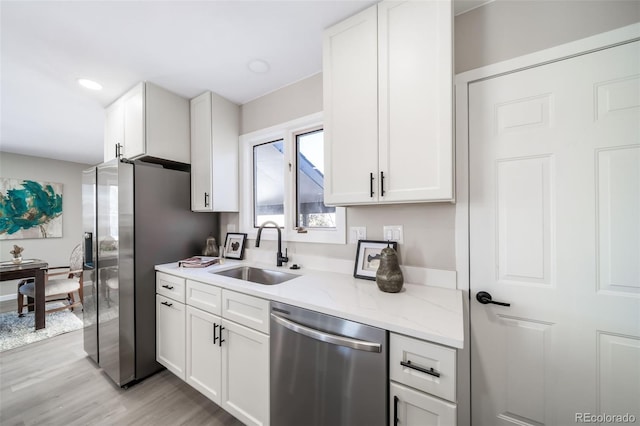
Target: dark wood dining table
{"x": 30, "y": 268}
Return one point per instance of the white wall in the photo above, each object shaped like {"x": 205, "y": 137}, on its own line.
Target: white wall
{"x": 55, "y": 251}
{"x": 506, "y": 29}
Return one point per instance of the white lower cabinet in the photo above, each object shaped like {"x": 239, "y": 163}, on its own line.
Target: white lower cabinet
{"x": 245, "y": 373}
{"x": 422, "y": 390}
{"x": 218, "y": 342}
{"x": 170, "y": 341}
{"x": 232, "y": 372}
{"x": 204, "y": 357}
{"x": 412, "y": 408}
{"x": 227, "y": 361}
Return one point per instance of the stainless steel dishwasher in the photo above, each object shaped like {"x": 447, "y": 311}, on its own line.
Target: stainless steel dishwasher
{"x": 326, "y": 371}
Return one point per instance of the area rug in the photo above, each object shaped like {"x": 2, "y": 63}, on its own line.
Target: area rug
{"x": 17, "y": 331}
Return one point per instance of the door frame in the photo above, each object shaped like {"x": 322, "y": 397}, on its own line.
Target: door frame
{"x": 462, "y": 81}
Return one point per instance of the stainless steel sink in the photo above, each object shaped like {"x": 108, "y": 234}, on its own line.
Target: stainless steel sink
{"x": 257, "y": 275}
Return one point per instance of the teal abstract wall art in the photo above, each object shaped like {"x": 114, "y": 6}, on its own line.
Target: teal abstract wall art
{"x": 30, "y": 209}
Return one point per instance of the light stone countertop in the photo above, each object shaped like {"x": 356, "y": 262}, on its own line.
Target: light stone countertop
{"x": 430, "y": 313}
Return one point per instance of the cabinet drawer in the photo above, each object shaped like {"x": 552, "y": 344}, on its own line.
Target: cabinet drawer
{"x": 413, "y": 408}
{"x": 409, "y": 358}
{"x": 204, "y": 296}
{"x": 170, "y": 286}
{"x": 246, "y": 310}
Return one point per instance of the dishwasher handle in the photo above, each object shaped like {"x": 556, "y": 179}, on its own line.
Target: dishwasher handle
{"x": 361, "y": 345}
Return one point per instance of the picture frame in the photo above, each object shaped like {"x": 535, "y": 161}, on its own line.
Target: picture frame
{"x": 367, "y": 257}
{"x": 234, "y": 245}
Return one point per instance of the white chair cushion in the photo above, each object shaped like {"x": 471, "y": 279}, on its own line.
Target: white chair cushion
{"x": 59, "y": 286}
{"x": 112, "y": 283}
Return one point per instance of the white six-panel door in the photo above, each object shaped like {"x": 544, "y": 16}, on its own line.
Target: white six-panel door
{"x": 554, "y": 184}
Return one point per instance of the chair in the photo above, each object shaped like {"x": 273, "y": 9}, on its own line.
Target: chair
{"x": 59, "y": 285}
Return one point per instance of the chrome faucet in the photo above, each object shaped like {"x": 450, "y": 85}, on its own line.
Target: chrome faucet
{"x": 280, "y": 259}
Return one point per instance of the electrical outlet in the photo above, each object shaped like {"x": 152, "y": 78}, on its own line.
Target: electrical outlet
{"x": 231, "y": 227}
{"x": 357, "y": 233}
{"x": 393, "y": 233}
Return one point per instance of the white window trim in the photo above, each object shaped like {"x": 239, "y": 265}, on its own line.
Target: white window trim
{"x": 287, "y": 132}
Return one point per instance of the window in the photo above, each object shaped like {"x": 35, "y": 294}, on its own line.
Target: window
{"x": 282, "y": 180}
{"x": 310, "y": 209}
{"x": 268, "y": 183}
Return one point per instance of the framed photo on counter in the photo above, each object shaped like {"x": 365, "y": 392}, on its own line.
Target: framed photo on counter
{"x": 234, "y": 245}
{"x": 368, "y": 257}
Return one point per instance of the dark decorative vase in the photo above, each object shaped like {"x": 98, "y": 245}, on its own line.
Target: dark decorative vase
{"x": 389, "y": 276}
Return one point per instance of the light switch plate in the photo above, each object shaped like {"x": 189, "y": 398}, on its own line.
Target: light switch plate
{"x": 357, "y": 233}
{"x": 393, "y": 233}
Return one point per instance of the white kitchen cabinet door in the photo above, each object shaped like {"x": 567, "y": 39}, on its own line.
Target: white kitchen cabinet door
{"x": 215, "y": 125}
{"x": 113, "y": 129}
{"x": 170, "y": 339}
{"x": 204, "y": 353}
{"x": 413, "y": 408}
{"x": 134, "y": 122}
{"x": 350, "y": 71}
{"x": 201, "y": 159}
{"x": 245, "y": 373}
{"x": 415, "y": 101}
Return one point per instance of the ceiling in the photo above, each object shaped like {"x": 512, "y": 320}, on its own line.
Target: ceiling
{"x": 187, "y": 47}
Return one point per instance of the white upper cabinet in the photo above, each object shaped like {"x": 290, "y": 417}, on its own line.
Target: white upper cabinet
{"x": 215, "y": 126}
{"x": 350, "y": 73}
{"x": 148, "y": 121}
{"x": 113, "y": 130}
{"x": 388, "y": 90}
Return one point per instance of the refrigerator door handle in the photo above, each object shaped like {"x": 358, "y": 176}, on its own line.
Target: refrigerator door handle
{"x": 88, "y": 251}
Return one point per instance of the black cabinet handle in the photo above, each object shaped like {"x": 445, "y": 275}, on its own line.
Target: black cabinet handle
{"x": 485, "y": 298}
{"x": 430, "y": 371}
{"x": 215, "y": 338}
{"x": 371, "y": 185}
{"x": 382, "y": 184}
{"x": 395, "y": 410}
{"x": 118, "y": 150}
{"x": 206, "y": 199}
{"x": 168, "y": 287}
{"x": 167, "y": 304}
{"x": 221, "y": 339}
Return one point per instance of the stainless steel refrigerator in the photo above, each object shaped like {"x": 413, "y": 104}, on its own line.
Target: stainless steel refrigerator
{"x": 135, "y": 215}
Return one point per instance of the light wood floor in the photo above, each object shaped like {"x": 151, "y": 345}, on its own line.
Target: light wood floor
{"x": 52, "y": 382}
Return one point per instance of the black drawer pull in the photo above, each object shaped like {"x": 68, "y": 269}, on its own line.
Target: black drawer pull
{"x": 395, "y": 410}
{"x": 167, "y": 304}
{"x": 168, "y": 287}
{"x": 430, "y": 371}
{"x": 221, "y": 339}
{"x": 371, "y": 185}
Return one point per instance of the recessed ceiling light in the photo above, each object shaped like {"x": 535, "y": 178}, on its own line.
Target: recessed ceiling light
{"x": 89, "y": 84}
{"x": 259, "y": 66}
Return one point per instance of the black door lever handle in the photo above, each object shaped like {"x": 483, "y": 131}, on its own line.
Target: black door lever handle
{"x": 485, "y": 298}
